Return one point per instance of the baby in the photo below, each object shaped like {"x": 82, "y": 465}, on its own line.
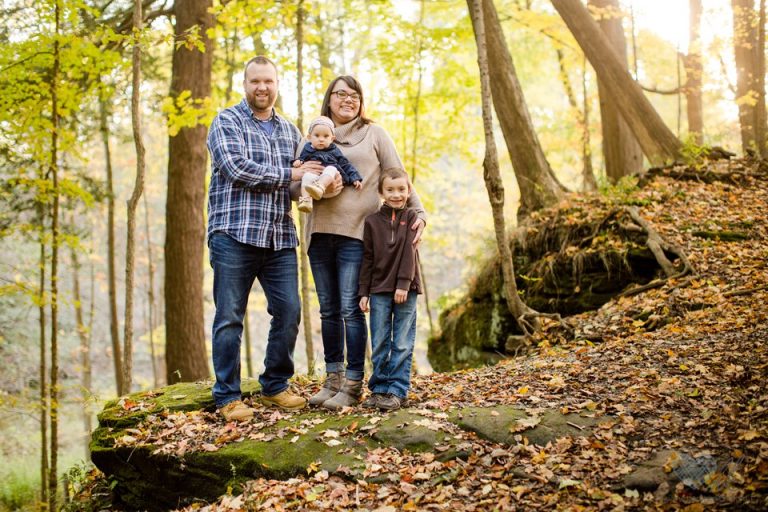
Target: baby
{"x": 321, "y": 148}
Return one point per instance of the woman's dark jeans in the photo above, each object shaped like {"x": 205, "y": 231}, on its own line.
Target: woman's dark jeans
{"x": 335, "y": 262}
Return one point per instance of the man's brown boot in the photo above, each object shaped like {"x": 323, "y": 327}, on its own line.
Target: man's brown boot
{"x": 284, "y": 400}
{"x": 332, "y": 385}
{"x": 236, "y": 411}
{"x": 350, "y": 394}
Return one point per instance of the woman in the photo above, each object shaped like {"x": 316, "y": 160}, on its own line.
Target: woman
{"x": 335, "y": 231}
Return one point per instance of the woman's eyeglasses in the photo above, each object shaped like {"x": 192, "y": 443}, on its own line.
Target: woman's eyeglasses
{"x": 342, "y": 95}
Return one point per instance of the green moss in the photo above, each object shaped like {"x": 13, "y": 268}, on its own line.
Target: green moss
{"x": 183, "y": 396}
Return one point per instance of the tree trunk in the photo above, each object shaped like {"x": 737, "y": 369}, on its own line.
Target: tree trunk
{"x": 694, "y": 72}
{"x": 54, "y": 173}
{"x": 621, "y": 150}
{"x": 133, "y": 202}
{"x": 85, "y": 349}
{"x": 43, "y": 371}
{"x": 114, "y": 330}
{"x": 306, "y": 312}
{"x": 491, "y": 173}
{"x": 150, "y": 294}
{"x": 185, "y": 353}
{"x": 539, "y": 187}
{"x": 658, "y": 142}
{"x": 749, "y": 52}
{"x": 589, "y": 184}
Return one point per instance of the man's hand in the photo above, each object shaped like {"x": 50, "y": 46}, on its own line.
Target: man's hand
{"x": 364, "y": 304}
{"x": 400, "y": 296}
{"x": 307, "y": 167}
{"x": 417, "y": 226}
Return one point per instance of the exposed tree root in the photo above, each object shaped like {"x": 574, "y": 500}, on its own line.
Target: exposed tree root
{"x": 529, "y": 320}
{"x": 660, "y": 248}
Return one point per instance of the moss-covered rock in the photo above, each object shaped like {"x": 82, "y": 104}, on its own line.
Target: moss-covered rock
{"x": 502, "y": 423}
{"x": 567, "y": 262}
{"x": 147, "y": 478}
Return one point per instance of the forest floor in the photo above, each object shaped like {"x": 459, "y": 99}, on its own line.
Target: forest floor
{"x": 678, "y": 372}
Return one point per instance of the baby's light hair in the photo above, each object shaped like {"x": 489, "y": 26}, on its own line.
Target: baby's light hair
{"x": 392, "y": 173}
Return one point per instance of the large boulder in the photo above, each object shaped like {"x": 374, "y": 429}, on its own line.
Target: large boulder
{"x": 164, "y": 449}
{"x": 567, "y": 261}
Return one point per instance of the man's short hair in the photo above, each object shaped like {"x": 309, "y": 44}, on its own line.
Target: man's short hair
{"x": 259, "y": 59}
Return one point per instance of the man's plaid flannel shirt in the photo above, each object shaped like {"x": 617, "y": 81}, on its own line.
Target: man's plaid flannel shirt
{"x": 248, "y": 197}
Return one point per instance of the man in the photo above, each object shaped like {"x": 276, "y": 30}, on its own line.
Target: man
{"x": 251, "y": 235}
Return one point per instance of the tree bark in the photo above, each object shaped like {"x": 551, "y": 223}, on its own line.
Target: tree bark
{"x": 43, "y": 369}
{"x": 491, "y": 173}
{"x": 621, "y": 150}
{"x": 186, "y": 357}
{"x": 539, "y": 187}
{"x": 749, "y": 53}
{"x": 306, "y": 312}
{"x": 658, "y": 142}
{"x": 694, "y": 72}
{"x": 133, "y": 202}
{"x": 85, "y": 348}
{"x": 53, "y": 410}
{"x": 150, "y": 294}
{"x": 114, "y": 329}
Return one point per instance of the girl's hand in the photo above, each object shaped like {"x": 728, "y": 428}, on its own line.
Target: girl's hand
{"x": 418, "y": 226}
{"x": 400, "y": 296}
{"x": 358, "y": 185}
{"x": 364, "y": 304}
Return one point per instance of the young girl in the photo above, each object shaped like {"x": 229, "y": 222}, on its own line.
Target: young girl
{"x": 321, "y": 148}
{"x": 389, "y": 286}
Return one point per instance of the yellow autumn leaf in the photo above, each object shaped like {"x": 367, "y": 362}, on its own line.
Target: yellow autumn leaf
{"x": 523, "y": 390}
{"x": 750, "y": 435}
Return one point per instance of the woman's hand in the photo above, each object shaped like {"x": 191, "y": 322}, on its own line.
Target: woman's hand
{"x": 311, "y": 167}
{"x": 417, "y": 226}
{"x": 401, "y": 296}
{"x": 364, "y": 304}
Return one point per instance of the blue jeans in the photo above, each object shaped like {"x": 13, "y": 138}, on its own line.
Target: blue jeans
{"x": 235, "y": 266}
{"x": 335, "y": 262}
{"x": 393, "y": 335}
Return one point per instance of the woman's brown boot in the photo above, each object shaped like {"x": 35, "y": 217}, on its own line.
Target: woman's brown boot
{"x": 350, "y": 395}
{"x": 332, "y": 385}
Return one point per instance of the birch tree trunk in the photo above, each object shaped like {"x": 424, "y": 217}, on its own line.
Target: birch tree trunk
{"x": 539, "y": 187}
{"x": 621, "y": 151}
{"x": 658, "y": 142}
{"x": 133, "y": 202}
{"x": 185, "y": 354}
{"x": 491, "y": 174}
